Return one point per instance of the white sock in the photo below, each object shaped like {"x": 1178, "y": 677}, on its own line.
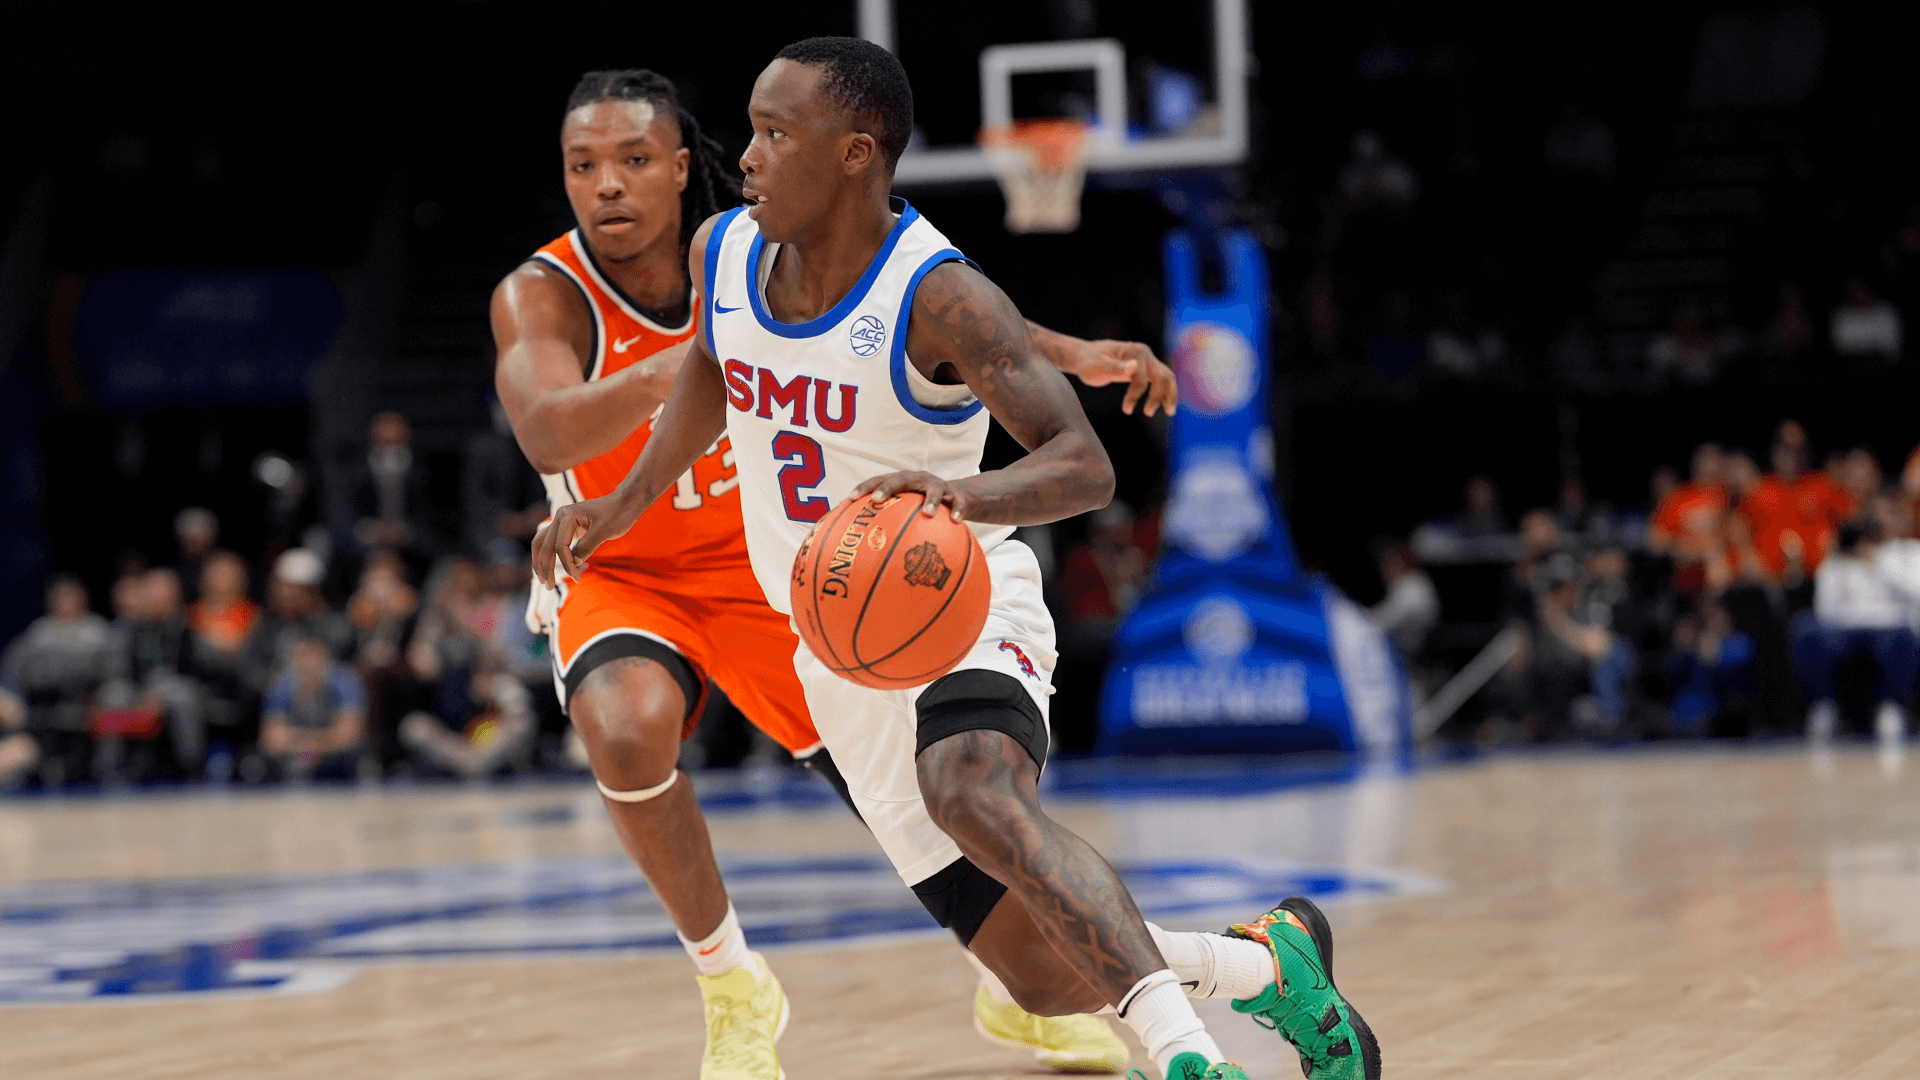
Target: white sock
{"x": 989, "y": 980}
{"x": 1212, "y": 966}
{"x": 1162, "y": 1016}
{"x": 721, "y": 951}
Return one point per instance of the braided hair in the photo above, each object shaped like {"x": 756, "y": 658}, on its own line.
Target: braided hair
{"x": 712, "y": 184}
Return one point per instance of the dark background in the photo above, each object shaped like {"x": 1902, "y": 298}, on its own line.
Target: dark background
{"x": 410, "y": 155}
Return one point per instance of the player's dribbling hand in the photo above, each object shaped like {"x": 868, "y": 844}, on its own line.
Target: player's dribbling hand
{"x": 1101, "y": 363}
{"x": 960, "y": 500}
{"x": 577, "y": 529}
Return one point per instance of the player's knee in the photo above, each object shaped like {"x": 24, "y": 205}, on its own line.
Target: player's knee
{"x": 630, "y": 714}
{"x": 970, "y": 802}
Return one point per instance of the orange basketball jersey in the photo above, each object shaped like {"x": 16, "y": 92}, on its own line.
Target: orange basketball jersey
{"x": 695, "y": 526}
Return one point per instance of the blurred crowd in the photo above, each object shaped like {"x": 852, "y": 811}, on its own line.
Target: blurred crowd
{"x": 374, "y": 649}
{"x": 1744, "y": 603}
{"x": 387, "y": 645}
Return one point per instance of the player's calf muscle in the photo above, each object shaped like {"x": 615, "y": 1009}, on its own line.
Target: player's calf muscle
{"x": 980, "y": 789}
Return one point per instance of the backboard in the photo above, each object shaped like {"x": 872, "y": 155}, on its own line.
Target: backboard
{"x": 1146, "y": 115}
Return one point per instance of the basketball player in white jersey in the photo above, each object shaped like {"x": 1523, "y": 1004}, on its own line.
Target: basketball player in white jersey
{"x": 847, "y": 349}
{"x": 590, "y": 332}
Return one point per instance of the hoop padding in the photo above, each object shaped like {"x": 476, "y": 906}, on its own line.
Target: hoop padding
{"x": 1042, "y": 168}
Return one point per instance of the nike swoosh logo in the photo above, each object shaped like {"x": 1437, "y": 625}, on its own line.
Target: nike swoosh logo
{"x": 719, "y": 309}
{"x": 716, "y": 945}
{"x": 1194, "y": 985}
{"x": 622, "y": 346}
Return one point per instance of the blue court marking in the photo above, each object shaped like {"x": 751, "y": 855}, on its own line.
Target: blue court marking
{"x": 101, "y": 941}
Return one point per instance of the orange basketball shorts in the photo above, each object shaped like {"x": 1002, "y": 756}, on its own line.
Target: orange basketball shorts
{"x": 717, "y": 621}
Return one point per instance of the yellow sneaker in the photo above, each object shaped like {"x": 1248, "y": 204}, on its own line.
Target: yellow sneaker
{"x": 1072, "y": 1044}
{"x": 746, "y": 1012}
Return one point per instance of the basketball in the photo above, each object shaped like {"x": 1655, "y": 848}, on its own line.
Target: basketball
{"x": 888, "y": 597}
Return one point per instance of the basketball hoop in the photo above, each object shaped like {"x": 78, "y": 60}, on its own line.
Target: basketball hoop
{"x": 1042, "y": 167}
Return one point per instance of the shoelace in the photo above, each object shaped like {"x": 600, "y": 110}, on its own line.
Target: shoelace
{"x": 726, "y": 1017}
{"x": 1298, "y": 1026}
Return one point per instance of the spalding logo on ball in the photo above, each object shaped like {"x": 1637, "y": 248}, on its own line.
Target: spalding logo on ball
{"x": 888, "y": 597}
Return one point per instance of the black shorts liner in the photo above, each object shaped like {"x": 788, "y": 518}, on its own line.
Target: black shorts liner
{"x": 692, "y": 685}
{"x": 979, "y": 700}
{"x": 960, "y": 897}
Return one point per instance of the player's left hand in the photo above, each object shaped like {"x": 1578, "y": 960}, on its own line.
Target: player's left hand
{"x": 1100, "y": 363}
{"x": 960, "y": 500}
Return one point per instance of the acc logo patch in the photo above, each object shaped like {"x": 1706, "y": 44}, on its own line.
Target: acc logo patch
{"x": 867, "y": 335}
{"x": 925, "y": 566}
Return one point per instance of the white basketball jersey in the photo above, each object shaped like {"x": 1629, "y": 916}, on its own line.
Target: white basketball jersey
{"x": 814, "y": 408}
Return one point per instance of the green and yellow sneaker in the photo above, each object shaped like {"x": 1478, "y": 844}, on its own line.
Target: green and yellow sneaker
{"x": 1070, "y": 1044}
{"x": 1303, "y": 1005}
{"x": 1195, "y": 1067}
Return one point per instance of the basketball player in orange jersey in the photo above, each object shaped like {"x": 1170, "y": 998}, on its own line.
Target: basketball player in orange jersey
{"x": 591, "y": 332}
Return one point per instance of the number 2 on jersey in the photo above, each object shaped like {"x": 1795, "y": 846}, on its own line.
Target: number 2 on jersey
{"x": 806, "y": 466}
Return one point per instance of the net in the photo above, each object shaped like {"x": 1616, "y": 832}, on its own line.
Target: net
{"x": 1042, "y": 167}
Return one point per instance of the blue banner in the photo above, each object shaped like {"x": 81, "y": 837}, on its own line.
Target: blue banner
{"x": 155, "y": 338}
{"x": 1234, "y": 649}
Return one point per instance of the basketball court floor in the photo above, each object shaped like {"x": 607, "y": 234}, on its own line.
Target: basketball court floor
{"x": 1725, "y": 914}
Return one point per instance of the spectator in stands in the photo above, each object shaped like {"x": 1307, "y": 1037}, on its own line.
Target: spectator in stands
{"x": 1607, "y": 598}
{"x": 314, "y": 719}
{"x": 1856, "y": 609}
{"x": 1104, "y": 576}
{"x": 223, "y": 618}
{"x": 1411, "y": 608}
{"x": 1858, "y": 474}
{"x": 58, "y": 667}
{"x": 1695, "y": 347}
{"x": 195, "y": 530}
{"x": 1583, "y": 525}
{"x": 1865, "y": 326}
{"x": 1710, "y": 673}
{"x": 384, "y": 611}
{"x": 495, "y": 729}
{"x": 1565, "y": 637}
{"x": 1689, "y": 525}
{"x": 390, "y": 500}
{"x": 455, "y": 634}
{"x": 1480, "y": 516}
{"x": 223, "y": 621}
{"x": 1567, "y": 677}
{"x": 295, "y": 609}
{"x": 163, "y": 665}
{"x": 1791, "y": 515}
{"x": 1540, "y": 540}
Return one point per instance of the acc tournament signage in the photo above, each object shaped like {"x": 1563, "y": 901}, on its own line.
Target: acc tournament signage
{"x": 1234, "y": 649}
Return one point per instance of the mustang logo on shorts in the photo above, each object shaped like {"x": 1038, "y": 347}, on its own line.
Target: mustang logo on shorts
{"x": 925, "y": 566}
{"x": 1026, "y": 665}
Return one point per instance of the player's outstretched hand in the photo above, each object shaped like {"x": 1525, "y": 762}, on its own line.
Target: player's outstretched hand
{"x": 960, "y": 501}
{"x": 1100, "y": 363}
{"x": 577, "y": 529}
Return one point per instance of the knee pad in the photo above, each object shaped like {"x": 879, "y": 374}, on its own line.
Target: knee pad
{"x": 975, "y": 699}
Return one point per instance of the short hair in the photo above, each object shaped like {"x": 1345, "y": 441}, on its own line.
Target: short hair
{"x": 712, "y": 185}
{"x": 868, "y": 82}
